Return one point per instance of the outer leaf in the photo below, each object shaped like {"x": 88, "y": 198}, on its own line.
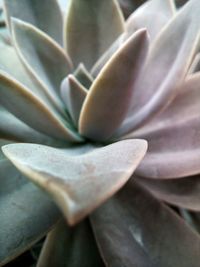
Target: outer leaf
{"x": 152, "y": 15}
{"x": 73, "y": 95}
{"x": 76, "y": 247}
{"x": 108, "y": 99}
{"x": 135, "y": 229}
{"x": 42, "y": 57}
{"x": 23, "y": 221}
{"x": 18, "y": 99}
{"x": 9, "y": 59}
{"x": 173, "y": 136}
{"x": 78, "y": 184}
{"x": 163, "y": 72}
{"x": 44, "y": 14}
{"x": 195, "y": 66}
{"x": 104, "y": 23}
{"x": 183, "y": 192}
{"x": 13, "y": 129}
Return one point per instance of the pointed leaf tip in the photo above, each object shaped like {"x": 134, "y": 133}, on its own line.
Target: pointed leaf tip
{"x": 108, "y": 99}
{"x": 78, "y": 184}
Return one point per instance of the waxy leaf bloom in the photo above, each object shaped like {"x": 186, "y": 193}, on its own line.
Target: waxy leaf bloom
{"x": 100, "y": 133}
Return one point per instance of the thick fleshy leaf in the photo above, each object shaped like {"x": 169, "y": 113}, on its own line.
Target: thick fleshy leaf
{"x": 44, "y": 14}
{"x": 72, "y": 247}
{"x": 18, "y": 100}
{"x": 184, "y": 193}
{"x": 164, "y": 71}
{"x": 173, "y": 136}
{"x": 43, "y": 58}
{"x": 23, "y": 221}
{"x": 108, "y": 99}
{"x": 15, "y": 130}
{"x": 83, "y": 76}
{"x": 9, "y": 59}
{"x": 81, "y": 183}
{"x": 91, "y": 27}
{"x": 152, "y": 15}
{"x": 107, "y": 55}
{"x": 135, "y": 229}
{"x": 73, "y": 94}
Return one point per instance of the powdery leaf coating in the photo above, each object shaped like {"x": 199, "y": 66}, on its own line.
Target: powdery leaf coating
{"x": 78, "y": 184}
{"x": 45, "y": 15}
{"x": 135, "y": 229}
{"x": 91, "y": 27}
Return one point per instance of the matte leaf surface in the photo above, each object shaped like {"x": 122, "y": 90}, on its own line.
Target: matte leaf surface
{"x": 108, "y": 99}
{"x": 42, "y": 57}
{"x": 45, "y": 15}
{"x": 18, "y": 99}
{"x": 15, "y": 130}
{"x": 76, "y": 247}
{"x": 27, "y": 214}
{"x": 174, "y": 136}
{"x": 91, "y": 27}
{"x": 160, "y": 11}
{"x": 73, "y": 94}
{"x": 81, "y": 183}
{"x": 164, "y": 71}
{"x": 135, "y": 229}
{"x": 183, "y": 192}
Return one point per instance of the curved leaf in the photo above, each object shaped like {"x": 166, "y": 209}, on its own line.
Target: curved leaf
{"x": 152, "y": 15}
{"x": 76, "y": 247}
{"x": 43, "y": 58}
{"x": 135, "y": 229}
{"x": 73, "y": 95}
{"x": 18, "y": 100}
{"x": 108, "y": 99}
{"x": 23, "y": 222}
{"x": 44, "y": 14}
{"x": 9, "y": 59}
{"x": 173, "y": 136}
{"x": 15, "y": 130}
{"x": 184, "y": 193}
{"x": 78, "y": 184}
{"x": 164, "y": 71}
{"x": 83, "y": 76}
{"x": 91, "y": 27}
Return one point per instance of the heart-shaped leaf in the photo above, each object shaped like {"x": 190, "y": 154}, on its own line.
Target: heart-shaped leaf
{"x": 78, "y": 184}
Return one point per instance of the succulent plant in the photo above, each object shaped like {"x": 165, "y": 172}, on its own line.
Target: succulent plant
{"x": 76, "y": 112}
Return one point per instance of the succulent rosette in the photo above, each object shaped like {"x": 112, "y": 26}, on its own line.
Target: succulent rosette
{"x": 81, "y": 95}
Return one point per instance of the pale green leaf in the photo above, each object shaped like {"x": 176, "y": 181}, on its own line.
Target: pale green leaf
{"x": 91, "y": 27}
{"x": 45, "y": 15}
{"x": 80, "y": 183}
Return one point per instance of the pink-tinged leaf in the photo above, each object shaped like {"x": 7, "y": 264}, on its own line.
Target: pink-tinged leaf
{"x": 167, "y": 64}
{"x": 108, "y": 99}
{"x": 73, "y": 94}
{"x": 152, "y": 15}
{"x": 173, "y": 136}
{"x": 45, "y": 15}
{"x": 135, "y": 229}
{"x": 43, "y": 58}
{"x": 78, "y": 184}
{"x": 17, "y": 99}
{"x": 91, "y": 27}
{"x": 76, "y": 247}
{"x": 184, "y": 193}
